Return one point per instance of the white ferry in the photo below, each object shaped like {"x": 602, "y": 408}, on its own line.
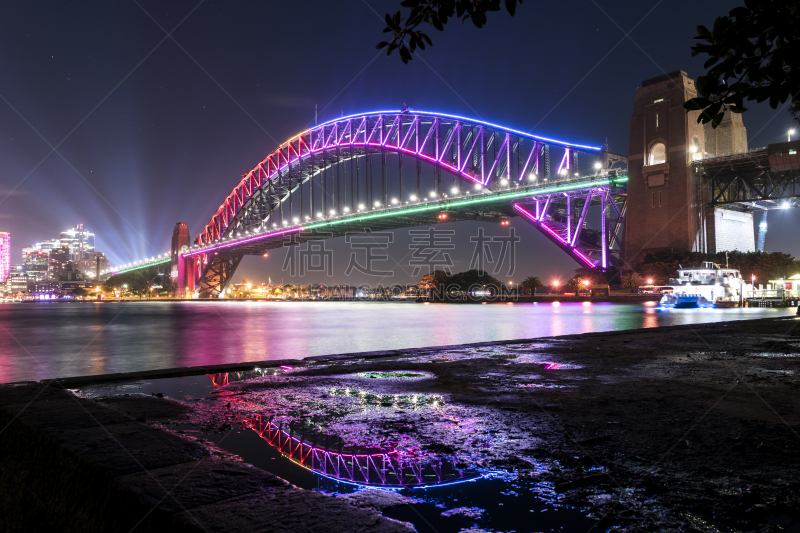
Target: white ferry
{"x": 709, "y": 285}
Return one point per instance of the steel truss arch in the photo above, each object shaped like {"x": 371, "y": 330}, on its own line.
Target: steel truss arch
{"x": 474, "y": 151}
{"x": 480, "y": 154}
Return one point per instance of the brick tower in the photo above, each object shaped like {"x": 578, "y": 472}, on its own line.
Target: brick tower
{"x": 178, "y": 274}
{"x": 663, "y": 193}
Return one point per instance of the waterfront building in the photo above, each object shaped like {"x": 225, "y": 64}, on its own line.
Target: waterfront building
{"x": 79, "y": 241}
{"x": 5, "y": 255}
{"x": 18, "y": 281}
{"x": 36, "y": 265}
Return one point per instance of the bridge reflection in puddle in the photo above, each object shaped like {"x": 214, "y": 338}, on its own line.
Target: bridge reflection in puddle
{"x": 382, "y": 465}
{"x": 385, "y": 466}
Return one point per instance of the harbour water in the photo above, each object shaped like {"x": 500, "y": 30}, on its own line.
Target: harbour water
{"x": 45, "y": 340}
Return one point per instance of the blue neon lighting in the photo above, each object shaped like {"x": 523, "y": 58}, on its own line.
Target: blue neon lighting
{"x": 457, "y": 117}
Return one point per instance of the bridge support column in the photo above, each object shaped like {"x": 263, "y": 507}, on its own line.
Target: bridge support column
{"x": 180, "y": 243}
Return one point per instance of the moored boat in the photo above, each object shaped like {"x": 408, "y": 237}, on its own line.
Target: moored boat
{"x": 709, "y": 285}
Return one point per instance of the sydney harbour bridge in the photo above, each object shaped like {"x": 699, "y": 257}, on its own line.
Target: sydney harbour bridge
{"x": 396, "y": 169}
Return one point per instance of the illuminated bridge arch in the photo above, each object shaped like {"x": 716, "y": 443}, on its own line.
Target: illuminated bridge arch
{"x": 392, "y": 169}
{"x": 472, "y": 151}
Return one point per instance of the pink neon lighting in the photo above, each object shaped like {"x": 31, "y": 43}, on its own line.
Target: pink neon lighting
{"x": 234, "y": 243}
{"x": 556, "y": 235}
{"x": 236, "y": 198}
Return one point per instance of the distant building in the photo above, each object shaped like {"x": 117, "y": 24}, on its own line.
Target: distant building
{"x": 36, "y": 265}
{"x": 18, "y": 281}
{"x": 5, "y": 255}
{"x": 58, "y": 258}
{"x": 79, "y": 241}
{"x": 92, "y": 266}
{"x": 71, "y": 272}
{"x": 44, "y": 246}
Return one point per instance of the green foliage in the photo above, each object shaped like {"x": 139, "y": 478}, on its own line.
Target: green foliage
{"x": 80, "y": 292}
{"x": 576, "y": 284}
{"x": 433, "y": 280}
{"x": 764, "y": 265}
{"x": 753, "y": 54}
{"x": 531, "y": 284}
{"x": 137, "y": 281}
{"x": 631, "y": 281}
{"x": 436, "y": 13}
{"x": 473, "y": 277}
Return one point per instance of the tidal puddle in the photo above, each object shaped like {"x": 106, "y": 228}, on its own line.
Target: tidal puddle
{"x": 350, "y": 434}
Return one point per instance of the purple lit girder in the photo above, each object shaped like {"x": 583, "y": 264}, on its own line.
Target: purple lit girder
{"x": 562, "y": 217}
{"x": 385, "y": 468}
{"x": 472, "y": 151}
{"x": 469, "y": 149}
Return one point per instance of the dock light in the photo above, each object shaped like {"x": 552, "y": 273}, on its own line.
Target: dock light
{"x": 784, "y": 205}
{"x": 333, "y": 211}
{"x": 504, "y": 181}
{"x": 478, "y": 186}
{"x": 319, "y": 215}
{"x": 454, "y": 190}
{"x": 413, "y": 197}
{"x": 432, "y": 194}
{"x": 532, "y": 176}
{"x": 394, "y": 201}
{"x": 790, "y": 132}
{"x": 346, "y": 209}
{"x": 360, "y": 207}
{"x": 563, "y": 172}
{"x": 295, "y": 220}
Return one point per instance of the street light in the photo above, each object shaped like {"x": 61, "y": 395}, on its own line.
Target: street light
{"x": 790, "y": 132}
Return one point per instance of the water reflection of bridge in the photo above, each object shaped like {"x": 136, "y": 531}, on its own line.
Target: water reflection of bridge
{"x": 380, "y": 466}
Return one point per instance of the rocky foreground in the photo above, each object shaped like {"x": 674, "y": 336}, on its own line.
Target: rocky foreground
{"x": 686, "y": 428}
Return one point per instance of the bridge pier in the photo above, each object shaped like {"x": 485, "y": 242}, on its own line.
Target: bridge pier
{"x": 181, "y": 278}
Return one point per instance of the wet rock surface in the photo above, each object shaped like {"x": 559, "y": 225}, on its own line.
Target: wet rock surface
{"x": 688, "y": 428}
{"x": 691, "y": 428}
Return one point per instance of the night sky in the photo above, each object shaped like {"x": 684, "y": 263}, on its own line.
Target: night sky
{"x": 151, "y": 131}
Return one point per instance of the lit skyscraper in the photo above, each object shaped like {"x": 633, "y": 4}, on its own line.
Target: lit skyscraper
{"x": 5, "y": 255}
{"x": 79, "y": 241}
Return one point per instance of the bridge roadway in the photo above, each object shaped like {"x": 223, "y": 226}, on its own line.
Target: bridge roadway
{"x": 482, "y": 205}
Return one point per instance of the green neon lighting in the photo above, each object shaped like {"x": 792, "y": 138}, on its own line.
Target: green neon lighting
{"x": 470, "y": 201}
{"x": 145, "y": 265}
